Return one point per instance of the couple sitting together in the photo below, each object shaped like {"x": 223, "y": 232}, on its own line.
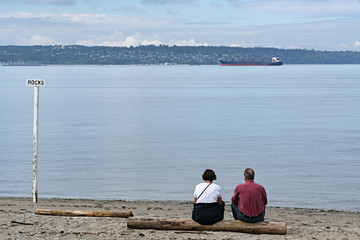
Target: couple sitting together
{"x": 247, "y": 204}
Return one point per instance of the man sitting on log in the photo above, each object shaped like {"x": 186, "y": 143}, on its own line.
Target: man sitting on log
{"x": 249, "y": 200}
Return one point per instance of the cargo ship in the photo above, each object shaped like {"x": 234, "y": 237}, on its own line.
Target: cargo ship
{"x": 274, "y": 62}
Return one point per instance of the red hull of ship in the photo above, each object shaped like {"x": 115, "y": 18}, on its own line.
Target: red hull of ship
{"x": 249, "y": 64}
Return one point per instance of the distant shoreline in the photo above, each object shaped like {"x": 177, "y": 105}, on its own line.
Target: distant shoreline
{"x": 292, "y": 64}
{"x": 171, "y": 55}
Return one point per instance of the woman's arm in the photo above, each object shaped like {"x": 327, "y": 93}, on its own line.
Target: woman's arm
{"x": 195, "y": 199}
{"x": 220, "y": 201}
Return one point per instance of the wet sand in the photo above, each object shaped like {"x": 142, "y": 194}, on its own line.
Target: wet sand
{"x": 18, "y": 221}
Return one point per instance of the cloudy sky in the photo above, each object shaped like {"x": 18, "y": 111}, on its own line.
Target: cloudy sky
{"x": 306, "y": 24}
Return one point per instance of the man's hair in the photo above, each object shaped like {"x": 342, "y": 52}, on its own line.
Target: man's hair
{"x": 249, "y": 174}
{"x": 209, "y": 175}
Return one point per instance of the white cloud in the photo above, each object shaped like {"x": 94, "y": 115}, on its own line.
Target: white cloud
{"x": 306, "y": 7}
{"x": 136, "y": 40}
{"x": 190, "y": 42}
{"x": 84, "y": 29}
{"x": 25, "y": 28}
{"x": 92, "y": 19}
{"x": 130, "y": 8}
{"x": 117, "y": 39}
{"x": 127, "y": 42}
{"x": 130, "y": 41}
{"x": 40, "y": 40}
{"x": 115, "y": 36}
{"x": 88, "y": 43}
{"x": 65, "y": 2}
{"x": 162, "y": 2}
{"x": 21, "y": 15}
{"x": 245, "y": 45}
{"x": 152, "y": 42}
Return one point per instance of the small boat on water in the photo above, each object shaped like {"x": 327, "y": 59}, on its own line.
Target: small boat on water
{"x": 274, "y": 62}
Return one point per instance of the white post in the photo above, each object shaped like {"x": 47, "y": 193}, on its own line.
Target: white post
{"x": 35, "y": 144}
{"x": 36, "y": 83}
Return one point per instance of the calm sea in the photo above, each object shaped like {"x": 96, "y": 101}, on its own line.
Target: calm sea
{"x": 148, "y": 132}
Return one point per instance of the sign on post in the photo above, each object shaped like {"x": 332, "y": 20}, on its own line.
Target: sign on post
{"x": 36, "y": 83}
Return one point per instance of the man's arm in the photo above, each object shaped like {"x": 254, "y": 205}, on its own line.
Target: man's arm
{"x": 264, "y": 196}
{"x": 235, "y": 198}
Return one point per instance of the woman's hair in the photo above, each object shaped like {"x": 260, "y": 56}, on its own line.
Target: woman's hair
{"x": 209, "y": 175}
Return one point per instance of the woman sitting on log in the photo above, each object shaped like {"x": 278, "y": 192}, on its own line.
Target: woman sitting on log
{"x": 208, "y": 204}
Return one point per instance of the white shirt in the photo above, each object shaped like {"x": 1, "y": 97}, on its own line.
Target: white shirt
{"x": 211, "y": 194}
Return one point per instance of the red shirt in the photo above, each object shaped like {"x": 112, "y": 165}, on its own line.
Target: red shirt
{"x": 250, "y": 197}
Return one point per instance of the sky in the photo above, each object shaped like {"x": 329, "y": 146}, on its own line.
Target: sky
{"x": 290, "y": 24}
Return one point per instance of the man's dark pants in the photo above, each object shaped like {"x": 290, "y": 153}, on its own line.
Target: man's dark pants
{"x": 238, "y": 215}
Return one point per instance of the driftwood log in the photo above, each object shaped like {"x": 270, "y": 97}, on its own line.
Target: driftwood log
{"x": 190, "y": 225}
{"x": 83, "y": 213}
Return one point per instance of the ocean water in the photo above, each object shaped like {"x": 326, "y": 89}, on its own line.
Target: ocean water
{"x": 148, "y": 132}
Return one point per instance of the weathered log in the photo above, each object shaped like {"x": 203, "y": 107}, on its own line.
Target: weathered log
{"x": 83, "y": 213}
{"x": 190, "y": 225}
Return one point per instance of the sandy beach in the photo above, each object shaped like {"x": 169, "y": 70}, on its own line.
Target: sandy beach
{"x": 18, "y": 221}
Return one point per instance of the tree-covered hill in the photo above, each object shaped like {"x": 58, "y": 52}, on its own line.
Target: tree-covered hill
{"x": 74, "y": 54}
